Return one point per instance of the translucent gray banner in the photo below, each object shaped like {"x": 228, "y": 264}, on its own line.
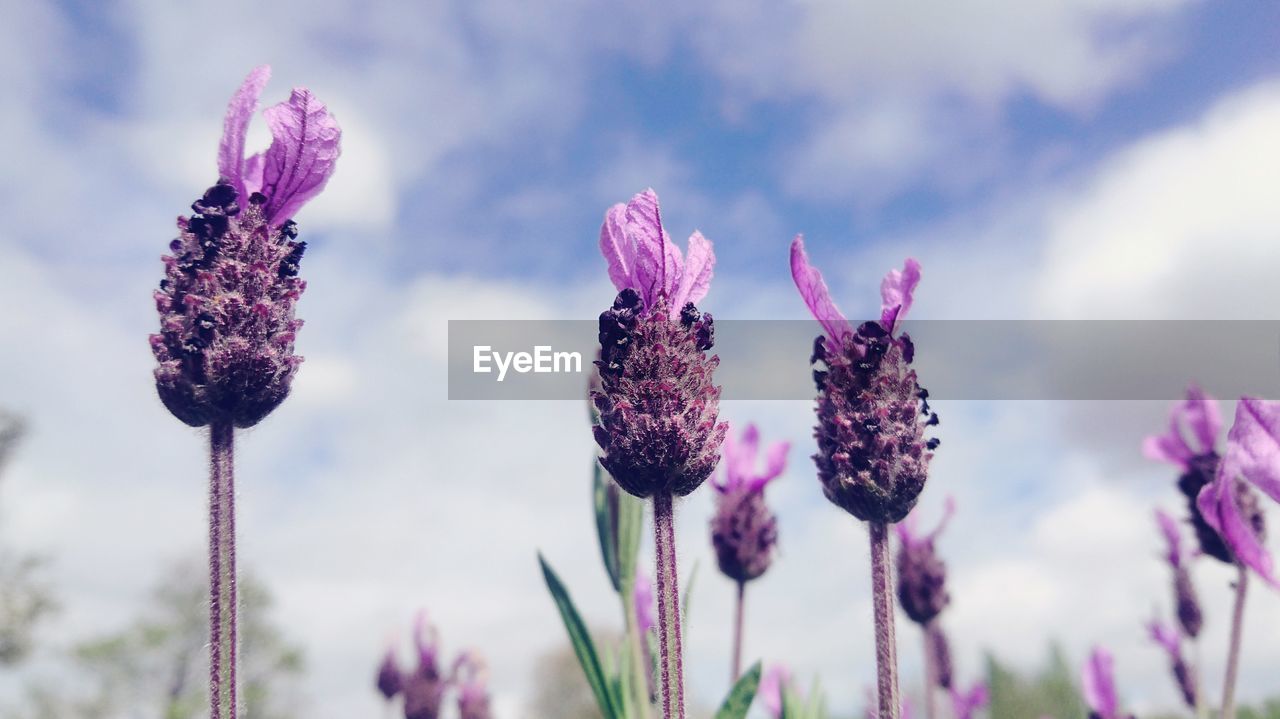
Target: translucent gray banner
{"x": 1000, "y": 360}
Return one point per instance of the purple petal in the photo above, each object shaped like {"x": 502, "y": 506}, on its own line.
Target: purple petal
{"x": 1253, "y": 445}
{"x": 776, "y": 678}
{"x": 252, "y": 177}
{"x": 1217, "y": 503}
{"x": 618, "y": 250}
{"x": 305, "y": 146}
{"x": 966, "y": 704}
{"x": 658, "y": 261}
{"x": 236, "y": 126}
{"x": 948, "y": 511}
{"x": 1172, "y": 537}
{"x": 1201, "y": 415}
{"x": 643, "y": 595}
{"x": 1099, "y": 683}
{"x": 1168, "y": 447}
{"x": 1165, "y": 636}
{"x": 816, "y": 295}
{"x": 896, "y": 291}
{"x": 695, "y": 276}
{"x": 775, "y": 462}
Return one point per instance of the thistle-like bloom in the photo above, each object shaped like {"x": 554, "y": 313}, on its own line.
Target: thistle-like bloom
{"x": 922, "y": 575}
{"x": 966, "y": 704}
{"x": 471, "y": 677}
{"x": 872, "y": 455}
{"x": 424, "y": 688}
{"x": 658, "y": 407}
{"x": 1196, "y": 459}
{"x": 226, "y": 303}
{"x": 1190, "y": 618}
{"x": 1183, "y": 674}
{"x": 1252, "y": 459}
{"x": 744, "y": 531}
{"x": 1098, "y": 680}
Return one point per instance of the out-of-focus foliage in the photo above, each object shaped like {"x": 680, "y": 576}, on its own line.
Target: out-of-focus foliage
{"x": 1051, "y": 692}
{"x": 24, "y": 598}
{"x": 159, "y": 665}
{"x": 561, "y": 690}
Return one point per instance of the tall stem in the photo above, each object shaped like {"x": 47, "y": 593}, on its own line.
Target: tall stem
{"x": 737, "y": 634}
{"x": 930, "y": 672}
{"x": 664, "y": 530}
{"x": 222, "y": 572}
{"x": 882, "y": 601}
{"x": 1233, "y": 652}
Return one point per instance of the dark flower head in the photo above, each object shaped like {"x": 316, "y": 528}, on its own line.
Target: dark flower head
{"x": 1190, "y": 618}
{"x": 390, "y": 679}
{"x": 471, "y": 677}
{"x": 658, "y": 406}
{"x": 744, "y": 531}
{"x": 922, "y": 575}
{"x": 424, "y": 688}
{"x": 1229, "y": 503}
{"x": 872, "y": 456}
{"x": 226, "y": 303}
{"x": 1183, "y": 673}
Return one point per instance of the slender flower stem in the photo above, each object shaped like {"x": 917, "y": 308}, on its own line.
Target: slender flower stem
{"x": 737, "y": 634}
{"x": 222, "y": 572}
{"x": 640, "y": 667}
{"x": 1233, "y": 652}
{"x": 664, "y": 530}
{"x": 930, "y": 673}
{"x": 882, "y": 601}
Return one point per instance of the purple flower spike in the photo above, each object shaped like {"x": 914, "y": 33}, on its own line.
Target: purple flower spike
{"x": 471, "y": 677}
{"x": 1190, "y": 617}
{"x": 1199, "y": 414}
{"x": 775, "y": 681}
{"x": 390, "y": 679}
{"x": 922, "y": 575}
{"x": 872, "y": 456}
{"x": 1099, "y": 686}
{"x": 966, "y": 704}
{"x": 744, "y": 531}
{"x": 226, "y": 303}
{"x": 1229, "y": 505}
{"x": 1183, "y": 674}
{"x": 424, "y": 688}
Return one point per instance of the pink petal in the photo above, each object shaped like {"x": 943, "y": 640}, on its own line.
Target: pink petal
{"x": 896, "y": 290}
{"x": 1217, "y": 503}
{"x": 1253, "y": 444}
{"x": 775, "y": 462}
{"x": 816, "y": 295}
{"x": 253, "y": 173}
{"x": 305, "y": 146}
{"x": 658, "y": 261}
{"x": 1201, "y": 415}
{"x": 695, "y": 276}
{"x": 771, "y": 687}
{"x": 1099, "y": 683}
{"x": 1168, "y": 447}
{"x": 1172, "y": 537}
{"x": 236, "y": 127}
{"x": 618, "y": 250}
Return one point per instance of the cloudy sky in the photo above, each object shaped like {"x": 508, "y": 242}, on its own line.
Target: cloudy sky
{"x": 1074, "y": 159}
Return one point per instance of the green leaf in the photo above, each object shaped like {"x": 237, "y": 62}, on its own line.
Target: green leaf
{"x": 580, "y": 638}
{"x": 630, "y": 531}
{"x": 605, "y": 522}
{"x": 738, "y": 703}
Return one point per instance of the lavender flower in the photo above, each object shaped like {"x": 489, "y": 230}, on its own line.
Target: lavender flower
{"x": 1197, "y": 459}
{"x": 226, "y": 304}
{"x": 966, "y": 704}
{"x": 922, "y": 575}
{"x": 1099, "y": 685}
{"x": 1183, "y": 673}
{"x": 390, "y": 680}
{"x": 872, "y": 455}
{"x": 1190, "y": 618}
{"x": 743, "y": 530}
{"x": 658, "y": 407}
{"x": 227, "y": 326}
{"x": 424, "y": 688}
{"x": 471, "y": 676}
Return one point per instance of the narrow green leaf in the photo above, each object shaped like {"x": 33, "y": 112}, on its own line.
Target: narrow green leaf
{"x": 605, "y": 523}
{"x": 580, "y": 638}
{"x": 738, "y": 703}
{"x": 630, "y": 532}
